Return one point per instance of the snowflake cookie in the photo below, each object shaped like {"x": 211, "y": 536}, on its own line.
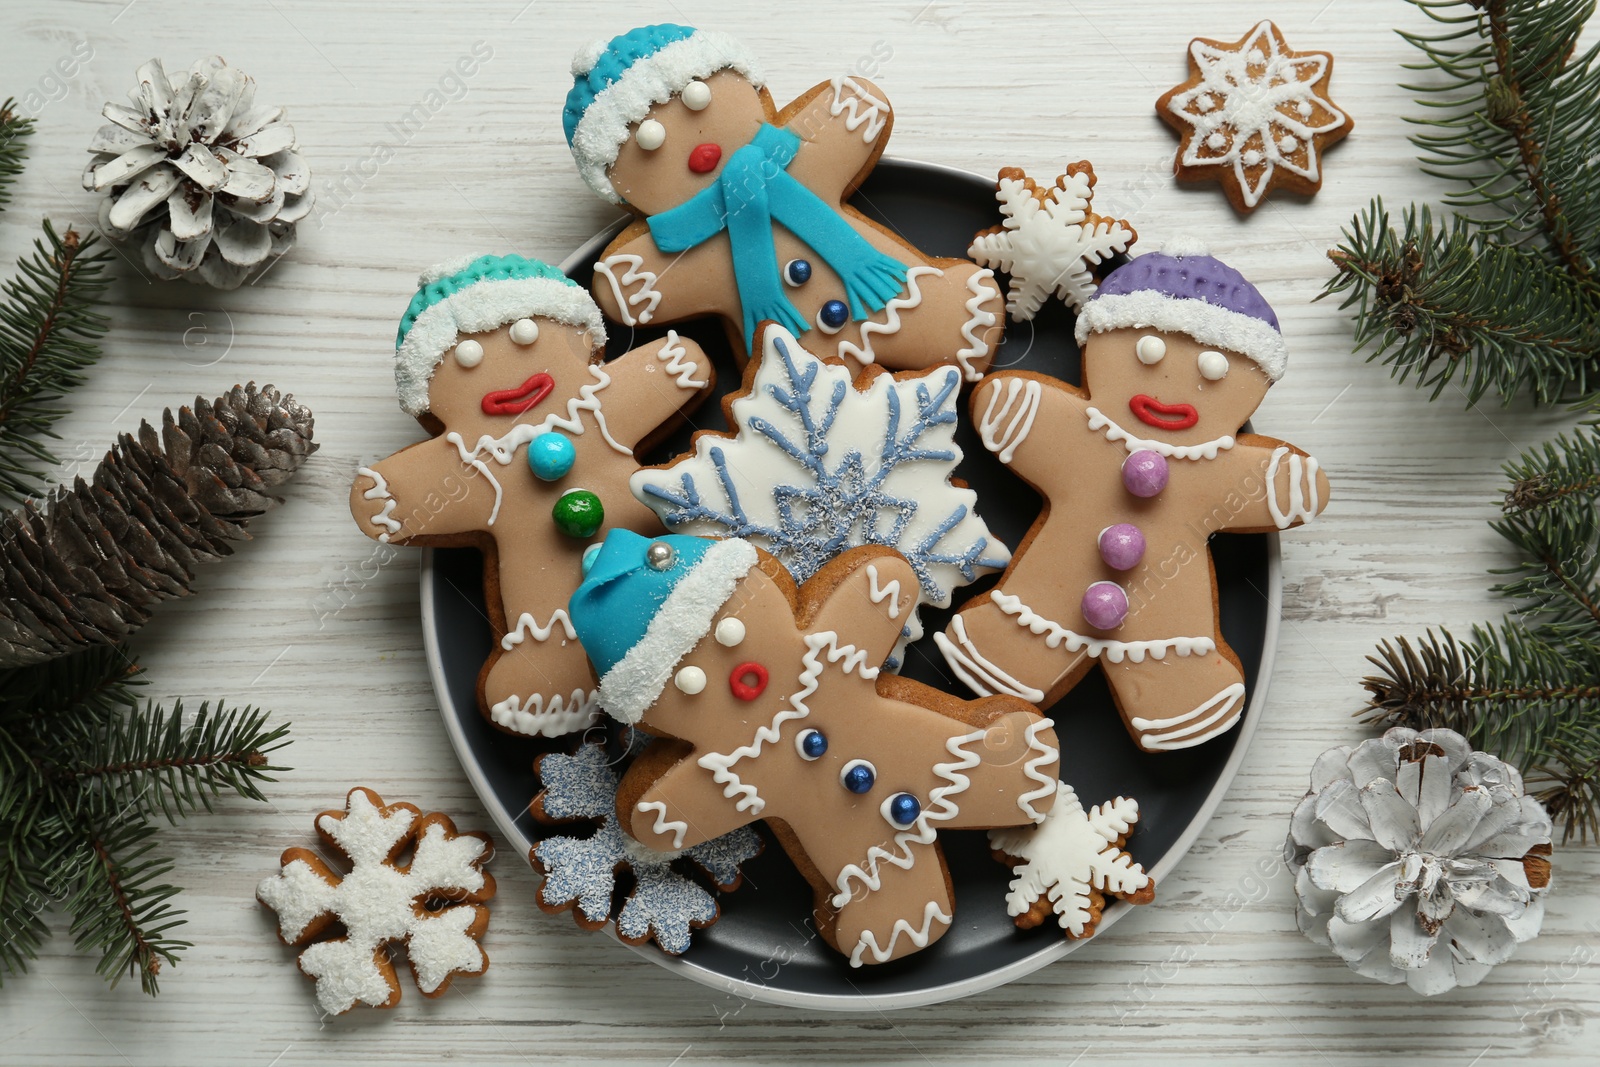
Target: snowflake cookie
{"x": 1254, "y": 116}
{"x": 433, "y": 905}
{"x": 581, "y": 874}
{"x": 822, "y": 460}
{"x": 1051, "y": 240}
{"x": 1071, "y": 862}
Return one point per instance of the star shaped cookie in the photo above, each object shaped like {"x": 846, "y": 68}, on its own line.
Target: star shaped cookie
{"x": 1254, "y": 115}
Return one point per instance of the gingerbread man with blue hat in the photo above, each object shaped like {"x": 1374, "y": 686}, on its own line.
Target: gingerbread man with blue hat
{"x": 769, "y": 702}
{"x": 501, "y": 359}
{"x": 742, "y": 207}
{"x": 1139, "y": 467}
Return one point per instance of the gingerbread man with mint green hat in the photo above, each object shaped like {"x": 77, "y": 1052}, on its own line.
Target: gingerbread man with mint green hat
{"x": 501, "y": 359}
{"x": 742, "y": 207}
{"x": 1138, "y": 468}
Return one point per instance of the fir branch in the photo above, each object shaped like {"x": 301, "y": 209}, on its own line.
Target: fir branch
{"x": 14, "y": 133}
{"x": 24, "y": 895}
{"x": 1560, "y": 473}
{"x": 1568, "y": 785}
{"x": 155, "y": 762}
{"x": 1445, "y": 302}
{"x": 49, "y": 330}
{"x": 121, "y": 909}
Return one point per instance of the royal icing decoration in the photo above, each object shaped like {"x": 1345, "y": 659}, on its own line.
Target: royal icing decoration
{"x": 633, "y": 274}
{"x": 1216, "y": 716}
{"x": 1114, "y": 433}
{"x": 383, "y": 902}
{"x": 1302, "y": 504}
{"x": 888, "y": 595}
{"x": 1008, "y": 416}
{"x": 380, "y": 491}
{"x": 1057, "y": 636}
{"x": 861, "y": 110}
{"x": 581, "y": 873}
{"x": 1068, "y": 864}
{"x": 546, "y": 714}
{"x": 863, "y": 353}
{"x": 981, "y": 320}
{"x": 1051, "y": 240}
{"x": 527, "y": 626}
{"x": 672, "y": 354}
{"x": 820, "y": 463}
{"x": 1256, "y": 113}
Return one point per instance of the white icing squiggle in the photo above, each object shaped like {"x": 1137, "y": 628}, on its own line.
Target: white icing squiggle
{"x": 1216, "y": 716}
{"x": 527, "y": 626}
{"x": 673, "y": 352}
{"x": 873, "y": 116}
{"x": 720, "y": 764}
{"x": 976, "y": 671}
{"x": 634, "y": 274}
{"x": 1056, "y": 635}
{"x": 891, "y": 311}
{"x": 662, "y": 825}
{"x": 1302, "y": 502}
{"x": 1016, "y": 417}
{"x": 919, "y": 937}
{"x": 940, "y": 809}
{"x": 1113, "y": 432}
{"x": 470, "y": 457}
{"x": 564, "y": 715}
{"x": 878, "y": 594}
{"x": 977, "y": 317}
{"x": 1046, "y": 754}
{"x": 380, "y": 491}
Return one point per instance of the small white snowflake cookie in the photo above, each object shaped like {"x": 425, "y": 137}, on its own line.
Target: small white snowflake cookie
{"x": 432, "y": 905}
{"x": 1068, "y": 864}
{"x": 821, "y": 461}
{"x": 1254, "y": 116}
{"x": 1051, "y": 240}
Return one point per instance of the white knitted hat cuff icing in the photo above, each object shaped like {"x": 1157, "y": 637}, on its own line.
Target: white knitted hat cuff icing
{"x": 481, "y": 306}
{"x": 684, "y": 618}
{"x": 1206, "y": 323}
{"x": 654, "y": 79}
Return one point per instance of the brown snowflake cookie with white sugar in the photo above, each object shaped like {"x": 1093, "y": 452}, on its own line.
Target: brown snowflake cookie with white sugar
{"x": 433, "y": 905}
{"x": 771, "y": 705}
{"x": 1178, "y": 351}
{"x": 501, "y": 359}
{"x": 742, "y": 207}
{"x": 1254, "y": 116}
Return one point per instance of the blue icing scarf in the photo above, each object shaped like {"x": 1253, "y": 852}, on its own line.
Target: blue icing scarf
{"x": 754, "y": 190}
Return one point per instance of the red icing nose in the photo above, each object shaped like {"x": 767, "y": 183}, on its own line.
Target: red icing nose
{"x": 705, "y": 158}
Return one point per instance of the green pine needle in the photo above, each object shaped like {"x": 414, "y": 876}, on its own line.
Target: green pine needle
{"x": 49, "y": 333}
{"x": 14, "y": 133}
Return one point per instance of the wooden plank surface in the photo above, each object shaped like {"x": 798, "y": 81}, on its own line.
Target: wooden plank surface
{"x": 1214, "y": 972}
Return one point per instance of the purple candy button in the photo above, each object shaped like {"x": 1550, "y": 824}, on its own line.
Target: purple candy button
{"x": 1144, "y": 473}
{"x": 1122, "y": 546}
{"x": 1105, "y": 605}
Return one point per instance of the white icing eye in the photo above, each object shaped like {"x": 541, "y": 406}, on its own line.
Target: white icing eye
{"x": 730, "y": 632}
{"x": 1213, "y": 366}
{"x": 696, "y": 96}
{"x": 1150, "y": 349}
{"x": 469, "y": 353}
{"x": 524, "y": 331}
{"x": 651, "y": 136}
{"x": 690, "y": 680}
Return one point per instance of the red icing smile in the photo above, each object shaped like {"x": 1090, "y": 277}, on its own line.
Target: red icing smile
{"x": 704, "y": 158}
{"x": 524, "y": 397}
{"x": 1153, "y": 412}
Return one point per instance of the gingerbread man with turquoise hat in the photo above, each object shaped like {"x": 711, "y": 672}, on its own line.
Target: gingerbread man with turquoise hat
{"x": 1139, "y": 467}
{"x": 501, "y": 359}
{"x": 742, "y": 207}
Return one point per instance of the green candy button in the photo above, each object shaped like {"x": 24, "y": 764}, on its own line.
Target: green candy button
{"x": 579, "y": 513}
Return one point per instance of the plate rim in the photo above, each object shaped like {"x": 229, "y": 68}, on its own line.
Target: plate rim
{"x": 506, "y": 821}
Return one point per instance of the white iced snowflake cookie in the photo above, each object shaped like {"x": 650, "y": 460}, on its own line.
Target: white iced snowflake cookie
{"x": 1070, "y": 863}
{"x": 1051, "y": 240}
{"x": 822, "y": 461}
{"x": 433, "y": 905}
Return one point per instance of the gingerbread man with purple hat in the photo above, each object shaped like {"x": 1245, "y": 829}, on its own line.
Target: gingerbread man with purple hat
{"x": 1178, "y": 352}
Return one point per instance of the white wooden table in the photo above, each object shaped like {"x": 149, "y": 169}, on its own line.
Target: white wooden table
{"x": 299, "y": 622}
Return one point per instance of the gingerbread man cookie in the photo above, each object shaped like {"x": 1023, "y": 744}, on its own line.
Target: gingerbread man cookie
{"x": 500, "y": 357}
{"x": 1178, "y": 350}
{"x": 777, "y": 711}
{"x": 743, "y": 210}
{"x": 1254, "y": 116}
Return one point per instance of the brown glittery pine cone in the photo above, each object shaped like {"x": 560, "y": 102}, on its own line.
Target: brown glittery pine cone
{"x": 87, "y": 566}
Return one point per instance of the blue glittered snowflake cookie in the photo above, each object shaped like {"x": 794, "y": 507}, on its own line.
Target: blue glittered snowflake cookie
{"x": 820, "y": 461}
{"x": 583, "y": 874}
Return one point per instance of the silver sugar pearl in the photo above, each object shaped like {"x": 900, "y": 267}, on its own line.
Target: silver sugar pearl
{"x": 660, "y": 555}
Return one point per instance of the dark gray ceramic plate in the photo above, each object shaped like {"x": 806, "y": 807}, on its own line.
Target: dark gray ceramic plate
{"x": 760, "y": 948}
